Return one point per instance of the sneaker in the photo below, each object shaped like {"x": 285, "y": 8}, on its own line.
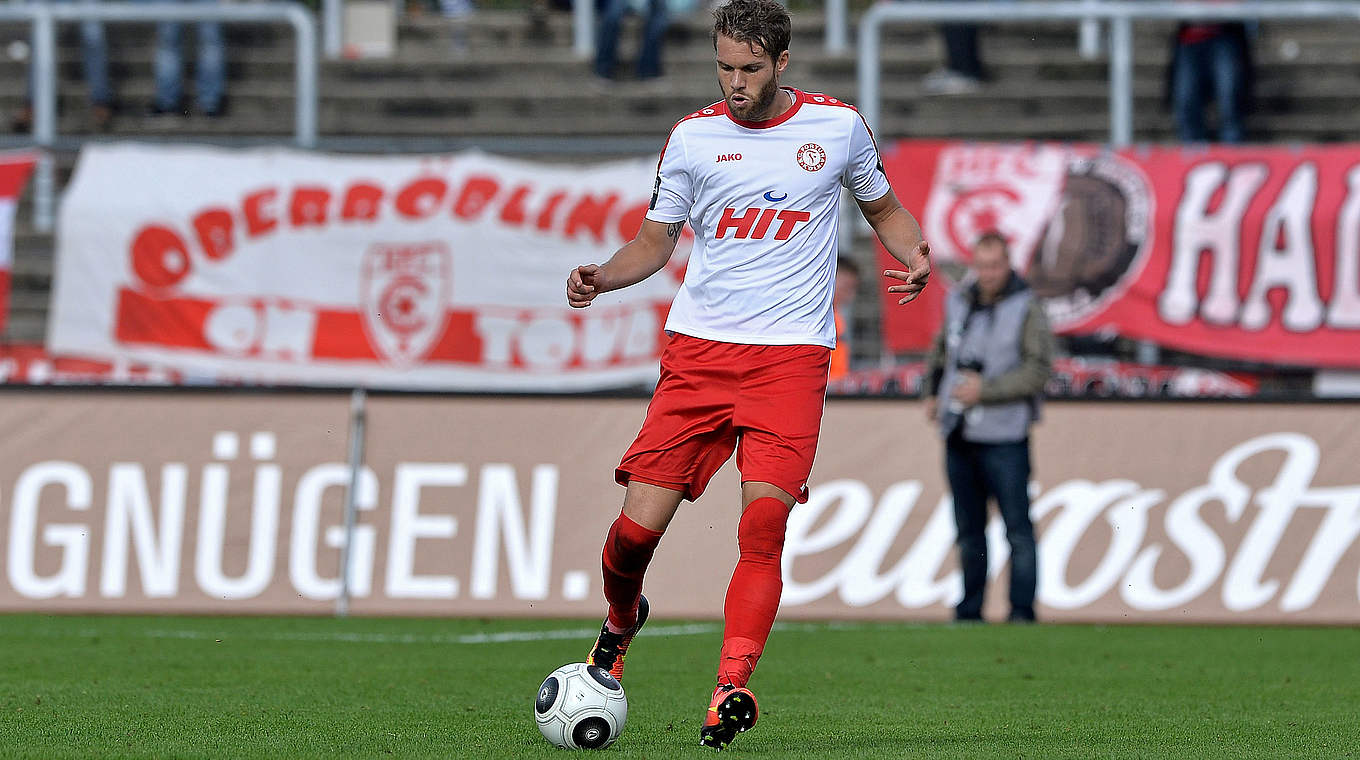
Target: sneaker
{"x": 950, "y": 82}
{"x": 653, "y": 85}
{"x": 610, "y": 648}
{"x": 601, "y": 85}
{"x": 157, "y": 110}
{"x": 731, "y": 712}
{"x": 216, "y": 110}
{"x": 1021, "y": 615}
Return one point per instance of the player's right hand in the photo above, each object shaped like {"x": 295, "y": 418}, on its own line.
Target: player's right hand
{"x": 583, "y": 285}
{"x": 915, "y": 277}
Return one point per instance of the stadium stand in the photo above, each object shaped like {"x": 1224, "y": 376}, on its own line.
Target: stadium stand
{"x": 508, "y": 81}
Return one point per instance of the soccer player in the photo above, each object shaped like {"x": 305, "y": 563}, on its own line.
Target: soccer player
{"x": 758, "y": 176}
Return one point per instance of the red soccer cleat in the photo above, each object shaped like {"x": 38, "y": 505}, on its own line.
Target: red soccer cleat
{"x": 610, "y": 648}
{"x": 732, "y": 711}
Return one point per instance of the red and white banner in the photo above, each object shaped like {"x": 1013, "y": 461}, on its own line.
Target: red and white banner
{"x": 1073, "y": 377}
{"x": 14, "y": 170}
{"x": 26, "y": 364}
{"x": 1244, "y": 252}
{"x": 280, "y": 266}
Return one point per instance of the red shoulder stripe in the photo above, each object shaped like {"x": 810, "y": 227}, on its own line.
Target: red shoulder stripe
{"x": 716, "y": 109}
{"x": 822, "y": 99}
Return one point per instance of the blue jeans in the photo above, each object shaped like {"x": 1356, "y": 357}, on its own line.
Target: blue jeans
{"x": 210, "y": 71}
{"x": 976, "y": 472}
{"x": 94, "y": 54}
{"x": 653, "y": 34}
{"x": 1214, "y": 68}
{"x": 961, "y": 49}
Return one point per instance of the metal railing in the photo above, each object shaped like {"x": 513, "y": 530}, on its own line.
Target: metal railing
{"x": 583, "y": 29}
{"x": 836, "y": 39}
{"x": 1119, "y": 14}
{"x": 332, "y": 28}
{"x": 44, "y": 17}
{"x": 837, "y": 23}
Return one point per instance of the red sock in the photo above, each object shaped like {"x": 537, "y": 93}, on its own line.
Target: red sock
{"x": 753, "y": 594}
{"x": 627, "y": 550}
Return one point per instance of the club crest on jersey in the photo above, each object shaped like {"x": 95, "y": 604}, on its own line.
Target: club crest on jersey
{"x": 728, "y": 157}
{"x": 811, "y": 157}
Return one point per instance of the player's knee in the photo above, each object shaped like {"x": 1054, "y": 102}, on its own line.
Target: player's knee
{"x": 626, "y": 545}
{"x": 629, "y": 547}
{"x": 762, "y": 526}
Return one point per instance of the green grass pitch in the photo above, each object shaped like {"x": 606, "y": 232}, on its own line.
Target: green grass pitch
{"x": 77, "y": 686}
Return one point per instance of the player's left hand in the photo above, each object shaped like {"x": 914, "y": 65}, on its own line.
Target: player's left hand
{"x": 583, "y": 285}
{"x": 915, "y": 277}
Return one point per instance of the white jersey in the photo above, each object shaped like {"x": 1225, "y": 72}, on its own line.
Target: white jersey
{"x": 762, "y": 199}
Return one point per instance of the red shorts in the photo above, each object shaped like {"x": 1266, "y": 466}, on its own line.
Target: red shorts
{"x": 763, "y": 401}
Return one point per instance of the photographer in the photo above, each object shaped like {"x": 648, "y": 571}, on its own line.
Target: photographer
{"x": 987, "y": 370}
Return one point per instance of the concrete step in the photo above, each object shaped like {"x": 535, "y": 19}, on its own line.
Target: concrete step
{"x": 1311, "y": 119}
{"x": 687, "y": 92}
{"x": 32, "y": 264}
{"x": 26, "y": 327}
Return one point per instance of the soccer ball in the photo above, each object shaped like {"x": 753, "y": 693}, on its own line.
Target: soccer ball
{"x": 580, "y": 706}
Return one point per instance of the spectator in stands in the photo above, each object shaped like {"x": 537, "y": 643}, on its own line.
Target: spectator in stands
{"x": 94, "y": 52}
{"x": 962, "y": 72}
{"x": 842, "y": 307}
{"x": 210, "y": 71}
{"x": 990, "y": 362}
{"x": 1210, "y": 62}
{"x": 653, "y": 35}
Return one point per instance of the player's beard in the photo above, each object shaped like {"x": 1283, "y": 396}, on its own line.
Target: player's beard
{"x": 757, "y": 108}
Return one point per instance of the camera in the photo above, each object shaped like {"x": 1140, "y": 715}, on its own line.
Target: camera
{"x": 956, "y": 408}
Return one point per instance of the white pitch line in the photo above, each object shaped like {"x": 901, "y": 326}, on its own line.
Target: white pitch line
{"x": 501, "y": 637}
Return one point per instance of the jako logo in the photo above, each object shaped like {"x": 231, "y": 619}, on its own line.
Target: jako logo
{"x": 755, "y": 223}
{"x": 728, "y": 157}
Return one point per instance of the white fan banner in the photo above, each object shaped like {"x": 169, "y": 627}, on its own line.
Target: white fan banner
{"x": 423, "y": 272}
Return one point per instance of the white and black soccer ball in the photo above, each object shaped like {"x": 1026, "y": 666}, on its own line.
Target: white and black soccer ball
{"x": 580, "y": 706}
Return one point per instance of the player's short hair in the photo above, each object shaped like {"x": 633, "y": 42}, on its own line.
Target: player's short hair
{"x": 763, "y": 22}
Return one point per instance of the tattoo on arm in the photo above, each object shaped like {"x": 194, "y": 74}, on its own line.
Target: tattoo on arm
{"x": 673, "y": 230}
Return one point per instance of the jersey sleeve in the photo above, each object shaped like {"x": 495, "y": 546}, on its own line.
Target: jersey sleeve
{"x": 864, "y": 171}
{"x": 673, "y": 194}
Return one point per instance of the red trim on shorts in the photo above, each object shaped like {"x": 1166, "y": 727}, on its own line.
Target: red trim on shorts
{"x": 799, "y": 493}
{"x": 624, "y": 477}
